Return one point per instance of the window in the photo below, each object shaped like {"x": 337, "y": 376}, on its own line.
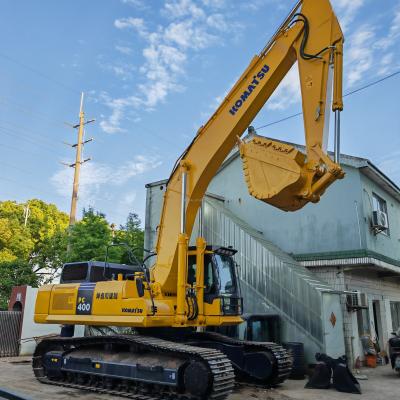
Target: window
{"x": 363, "y": 321}
{"x": 395, "y": 311}
{"x": 380, "y": 205}
{"x": 74, "y": 273}
{"x": 210, "y": 281}
{"x": 226, "y": 271}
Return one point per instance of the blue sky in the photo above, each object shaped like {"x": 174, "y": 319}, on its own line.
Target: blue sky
{"x": 153, "y": 72}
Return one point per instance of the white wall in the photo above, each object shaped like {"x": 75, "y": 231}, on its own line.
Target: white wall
{"x": 30, "y": 329}
{"x": 367, "y": 281}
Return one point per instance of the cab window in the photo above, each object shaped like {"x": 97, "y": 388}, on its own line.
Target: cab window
{"x": 226, "y": 272}
{"x": 210, "y": 281}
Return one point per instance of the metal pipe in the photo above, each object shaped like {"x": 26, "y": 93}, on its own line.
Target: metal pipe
{"x": 201, "y": 217}
{"x": 282, "y": 27}
{"x": 337, "y": 137}
{"x": 183, "y": 201}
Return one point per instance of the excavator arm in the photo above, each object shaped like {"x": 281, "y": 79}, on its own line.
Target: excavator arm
{"x": 275, "y": 172}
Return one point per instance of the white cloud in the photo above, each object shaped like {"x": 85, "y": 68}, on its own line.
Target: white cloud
{"x": 187, "y": 35}
{"x": 136, "y": 3}
{"x": 369, "y": 49}
{"x": 118, "y": 107}
{"x": 96, "y": 177}
{"x": 165, "y": 54}
{"x": 218, "y": 22}
{"x": 121, "y": 70}
{"x": 215, "y": 3}
{"x": 288, "y": 91}
{"x": 386, "y": 64}
{"x": 183, "y": 8}
{"x": 347, "y": 10}
{"x": 393, "y": 35}
{"x": 132, "y": 23}
{"x": 256, "y": 5}
{"x": 359, "y": 54}
{"x": 138, "y": 166}
{"x": 124, "y": 50}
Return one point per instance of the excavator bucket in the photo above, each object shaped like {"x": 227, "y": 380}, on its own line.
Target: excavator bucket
{"x": 343, "y": 379}
{"x": 274, "y": 172}
{"x": 328, "y": 368}
{"x": 322, "y": 375}
{"x": 279, "y": 174}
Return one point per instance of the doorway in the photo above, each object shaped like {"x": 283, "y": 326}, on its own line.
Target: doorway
{"x": 378, "y": 323}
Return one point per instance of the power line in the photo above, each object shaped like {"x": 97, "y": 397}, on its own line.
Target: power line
{"x": 34, "y": 188}
{"x": 18, "y": 168}
{"x": 40, "y": 73}
{"x": 24, "y": 109}
{"x": 27, "y": 132}
{"x": 30, "y": 141}
{"x": 368, "y": 85}
{"x": 18, "y": 149}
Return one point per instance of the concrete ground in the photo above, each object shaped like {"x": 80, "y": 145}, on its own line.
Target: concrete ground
{"x": 382, "y": 384}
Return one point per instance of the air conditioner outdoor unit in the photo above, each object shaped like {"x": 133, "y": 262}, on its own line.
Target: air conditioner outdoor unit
{"x": 380, "y": 221}
{"x": 357, "y": 300}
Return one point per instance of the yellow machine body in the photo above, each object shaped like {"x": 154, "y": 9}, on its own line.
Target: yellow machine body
{"x": 117, "y": 303}
{"x": 275, "y": 173}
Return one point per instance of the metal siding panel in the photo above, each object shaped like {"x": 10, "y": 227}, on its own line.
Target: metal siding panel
{"x": 282, "y": 282}
{"x": 10, "y": 328}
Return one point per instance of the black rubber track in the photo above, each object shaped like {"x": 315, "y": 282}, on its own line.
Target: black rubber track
{"x": 223, "y": 378}
{"x": 282, "y": 361}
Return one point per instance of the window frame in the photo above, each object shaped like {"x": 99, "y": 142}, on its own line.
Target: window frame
{"x": 380, "y": 204}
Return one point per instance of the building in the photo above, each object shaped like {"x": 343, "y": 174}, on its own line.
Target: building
{"x": 302, "y": 264}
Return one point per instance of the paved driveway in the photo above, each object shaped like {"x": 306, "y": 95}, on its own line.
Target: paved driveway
{"x": 383, "y": 384}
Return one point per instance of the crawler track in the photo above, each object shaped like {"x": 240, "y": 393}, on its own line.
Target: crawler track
{"x": 280, "y": 358}
{"x": 220, "y": 371}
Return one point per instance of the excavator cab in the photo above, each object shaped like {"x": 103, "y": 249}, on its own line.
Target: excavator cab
{"x": 220, "y": 278}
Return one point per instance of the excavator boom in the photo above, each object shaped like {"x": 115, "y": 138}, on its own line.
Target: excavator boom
{"x": 275, "y": 173}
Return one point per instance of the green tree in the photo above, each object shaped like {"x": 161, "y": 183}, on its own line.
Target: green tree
{"x": 15, "y": 239}
{"x": 41, "y": 243}
{"x": 48, "y": 230}
{"x": 34, "y": 252}
{"x": 89, "y": 238}
{"x": 133, "y": 235}
{"x": 14, "y": 273}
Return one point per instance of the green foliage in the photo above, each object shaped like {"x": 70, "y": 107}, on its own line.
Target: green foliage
{"x": 133, "y": 235}
{"x": 14, "y": 273}
{"x": 15, "y": 239}
{"x": 41, "y": 242}
{"x": 89, "y": 237}
{"x": 33, "y": 254}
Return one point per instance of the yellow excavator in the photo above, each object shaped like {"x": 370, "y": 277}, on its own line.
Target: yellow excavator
{"x": 169, "y": 355}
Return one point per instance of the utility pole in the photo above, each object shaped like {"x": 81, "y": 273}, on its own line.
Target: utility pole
{"x": 78, "y": 160}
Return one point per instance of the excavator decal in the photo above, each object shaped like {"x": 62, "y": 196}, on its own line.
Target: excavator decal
{"x": 238, "y": 103}
{"x": 85, "y": 298}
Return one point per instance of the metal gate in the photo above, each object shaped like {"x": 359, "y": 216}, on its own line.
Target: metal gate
{"x": 10, "y": 329}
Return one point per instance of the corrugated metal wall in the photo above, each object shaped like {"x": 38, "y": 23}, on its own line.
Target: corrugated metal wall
{"x": 271, "y": 280}
{"x": 10, "y": 330}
